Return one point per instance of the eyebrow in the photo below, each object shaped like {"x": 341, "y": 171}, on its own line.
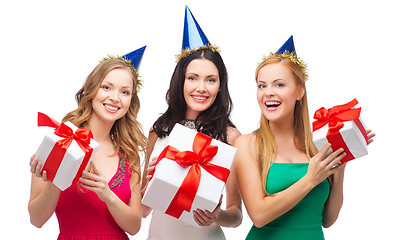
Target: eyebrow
{"x": 113, "y": 84}
{"x": 192, "y": 73}
{"x": 279, "y": 79}
{"x": 213, "y": 75}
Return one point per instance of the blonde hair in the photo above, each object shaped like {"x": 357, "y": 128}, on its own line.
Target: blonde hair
{"x": 126, "y": 133}
{"x": 266, "y": 145}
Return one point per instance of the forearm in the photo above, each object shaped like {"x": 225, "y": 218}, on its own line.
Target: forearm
{"x": 231, "y": 217}
{"x": 146, "y": 210}
{"x": 43, "y": 205}
{"x": 334, "y": 202}
{"x": 127, "y": 217}
{"x": 273, "y": 206}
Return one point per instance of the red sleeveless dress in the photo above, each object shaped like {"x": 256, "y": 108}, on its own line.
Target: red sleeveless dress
{"x": 83, "y": 216}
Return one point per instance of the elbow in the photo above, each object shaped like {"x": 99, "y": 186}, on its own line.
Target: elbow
{"x": 238, "y": 222}
{"x": 135, "y": 229}
{"x": 36, "y": 223}
{"x": 239, "y": 219}
{"x": 145, "y": 211}
{"x": 258, "y": 224}
{"x": 261, "y": 219}
{"x": 329, "y": 218}
{"x": 134, "y": 232}
{"x": 258, "y": 221}
{"x": 329, "y": 223}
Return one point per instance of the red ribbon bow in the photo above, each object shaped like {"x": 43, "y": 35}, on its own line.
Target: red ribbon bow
{"x": 82, "y": 136}
{"x": 335, "y": 117}
{"x": 202, "y": 153}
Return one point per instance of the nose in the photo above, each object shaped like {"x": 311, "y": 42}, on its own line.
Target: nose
{"x": 269, "y": 91}
{"x": 200, "y": 85}
{"x": 114, "y": 96}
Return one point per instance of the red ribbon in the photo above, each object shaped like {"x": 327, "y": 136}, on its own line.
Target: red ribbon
{"x": 202, "y": 153}
{"x": 335, "y": 117}
{"x": 82, "y": 136}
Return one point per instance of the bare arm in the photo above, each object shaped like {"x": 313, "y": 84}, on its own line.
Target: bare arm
{"x": 262, "y": 208}
{"x": 127, "y": 216}
{"x": 335, "y": 199}
{"x": 44, "y": 195}
{"x": 232, "y": 215}
{"x": 148, "y": 169}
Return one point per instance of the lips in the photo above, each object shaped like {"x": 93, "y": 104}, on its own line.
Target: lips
{"x": 111, "y": 108}
{"x": 272, "y": 104}
{"x": 199, "y": 98}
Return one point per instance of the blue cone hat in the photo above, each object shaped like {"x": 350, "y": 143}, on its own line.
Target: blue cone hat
{"x": 193, "y": 36}
{"x": 287, "y": 46}
{"x": 135, "y": 57}
{"x": 287, "y": 50}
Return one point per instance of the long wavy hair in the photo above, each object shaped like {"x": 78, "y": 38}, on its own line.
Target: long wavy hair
{"x": 126, "y": 133}
{"x": 266, "y": 145}
{"x": 214, "y": 120}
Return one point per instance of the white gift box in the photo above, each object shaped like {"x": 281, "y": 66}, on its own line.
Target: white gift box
{"x": 353, "y": 134}
{"x": 71, "y": 161}
{"x": 169, "y": 175}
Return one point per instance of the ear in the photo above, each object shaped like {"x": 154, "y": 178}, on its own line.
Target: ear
{"x": 301, "y": 92}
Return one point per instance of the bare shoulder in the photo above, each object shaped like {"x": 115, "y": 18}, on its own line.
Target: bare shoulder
{"x": 232, "y": 135}
{"x": 245, "y": 140}
{"x": 247, "y": 147}
{"x": 152, "y": 137}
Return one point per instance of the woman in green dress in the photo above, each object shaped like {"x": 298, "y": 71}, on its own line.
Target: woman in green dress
{"x": 282, "y": 177}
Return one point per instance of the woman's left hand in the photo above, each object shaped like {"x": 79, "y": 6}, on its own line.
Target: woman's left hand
{"x": 96, "y": 182}
{"x": 370, "y": 136}
{"x": 340, "y": 172}
{"x": 206, "y": 218}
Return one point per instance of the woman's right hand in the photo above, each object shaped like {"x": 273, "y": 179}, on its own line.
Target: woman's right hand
{"x": 322, "y": 166}
{"x": 35, "y": 168}
{"x": 151, "y": 169}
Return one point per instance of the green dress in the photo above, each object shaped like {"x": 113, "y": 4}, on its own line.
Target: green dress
{"x": 304, "y": 220}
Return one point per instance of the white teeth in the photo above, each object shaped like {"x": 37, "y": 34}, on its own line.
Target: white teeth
{"x": 272, "y": 103}
{"x": 111, "y": 108}
{"x": 199, "y": 98}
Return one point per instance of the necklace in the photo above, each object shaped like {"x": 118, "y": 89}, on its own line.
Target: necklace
{"x": 119, "y": 177}
{"x": 189, "y": 123}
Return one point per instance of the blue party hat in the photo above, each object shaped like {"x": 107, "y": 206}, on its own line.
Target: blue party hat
{"x": 287, "y": 46}
{"x": 135, "y": 57}
{"x": 133, "y": 60}
{"x": 193, "y": 36}
{"x": 287, "y": 50}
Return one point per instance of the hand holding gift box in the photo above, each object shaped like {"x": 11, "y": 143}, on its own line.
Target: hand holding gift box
{"x": 342, "y": 127}
{"x": 65, "y": 152}
{"x": 191, "y": 172}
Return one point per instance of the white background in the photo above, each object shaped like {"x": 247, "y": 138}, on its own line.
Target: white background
{"x": 49, "y": 47}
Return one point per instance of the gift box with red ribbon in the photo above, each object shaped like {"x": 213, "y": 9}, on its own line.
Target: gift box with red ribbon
{"x": 191, "y": 172}
{"x": 65, "y": 151}
{"x": 342, "y": 127}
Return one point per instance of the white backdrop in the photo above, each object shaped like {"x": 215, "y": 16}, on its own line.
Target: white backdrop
{"x": 49, "y": 47}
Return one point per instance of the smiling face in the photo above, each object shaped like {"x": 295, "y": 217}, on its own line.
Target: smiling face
{"x": 114, "y": 96}
{"x": 202, "y": 84}
{"x": 277, "y": 92}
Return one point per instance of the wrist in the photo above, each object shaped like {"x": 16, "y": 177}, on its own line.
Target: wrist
{"x": 110, "y": 198}
{"x": 216, "y": 219}
{"x": 52, "y": 187}
{"x": 309, "y": 182}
